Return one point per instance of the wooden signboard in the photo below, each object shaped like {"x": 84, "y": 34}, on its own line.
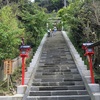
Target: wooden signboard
{"x": 8, "y": 66}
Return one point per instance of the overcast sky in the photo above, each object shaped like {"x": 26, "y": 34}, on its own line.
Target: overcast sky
{"x": 32, "y": 0}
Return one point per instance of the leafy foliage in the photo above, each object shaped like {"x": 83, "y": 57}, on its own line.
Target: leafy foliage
{"x": 30, "y": 24}
{"x": 9, "y": 33}
{"x": 82, "y": 19}
{"x": 34, "y": 21}
{"x": 70, "y": 17}
{"x": 51, "y": 4}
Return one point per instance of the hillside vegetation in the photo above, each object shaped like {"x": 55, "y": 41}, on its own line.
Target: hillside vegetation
{"x": 20, "y": 19}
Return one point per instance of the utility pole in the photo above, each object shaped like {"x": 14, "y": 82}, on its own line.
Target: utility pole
{"x": 64, "y": 3}
{"x": 7, "y": 2}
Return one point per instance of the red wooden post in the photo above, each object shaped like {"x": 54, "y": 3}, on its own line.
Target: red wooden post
{"x": 23, "y": 70}
{"x": 91, "y": 69}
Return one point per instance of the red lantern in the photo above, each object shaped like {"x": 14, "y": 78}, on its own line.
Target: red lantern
{"x": 89, "y": 51}
{"x": 24, "y": 50}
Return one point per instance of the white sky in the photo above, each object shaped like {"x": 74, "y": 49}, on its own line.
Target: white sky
{"x": 32, "y": 0}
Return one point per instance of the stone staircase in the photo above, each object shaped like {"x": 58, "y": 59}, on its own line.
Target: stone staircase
{"x": 57, "y": 77}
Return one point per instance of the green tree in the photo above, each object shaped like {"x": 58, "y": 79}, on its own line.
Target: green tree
{"x": 51, "y": 4}
{"x": 34, "y": 21}
{"x": 82, "y": 18}
{"x": 9, "y": 34}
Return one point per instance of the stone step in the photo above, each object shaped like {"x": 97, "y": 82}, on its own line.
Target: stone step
{"x": 52, "y": 66}
{"x": 72, "y": 97}
{"x": 55, "y": 88}
{"x": 57, "y": 67}
{"x": 56, "y": 76}
{"x": 57, "y": 70}
{"x": 71, "y": 66}
{"x": 56, "y": 73}
{"x": 57, "y": 83}
{"x": 53, "y": 70}
{"x": 57, "y": 80}
{"x": 58, "y": 93}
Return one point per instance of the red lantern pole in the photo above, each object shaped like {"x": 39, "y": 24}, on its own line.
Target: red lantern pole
{"x": 24, "y": 49}
{"x": 89, "y": 52}
{"x": 23, "y": 70}
{"x": 91, "y": 69}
